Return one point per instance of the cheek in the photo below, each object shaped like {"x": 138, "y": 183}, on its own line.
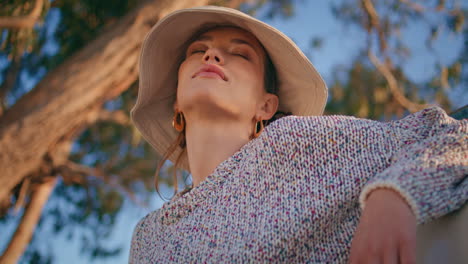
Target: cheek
{"x": 253, "y": 80}
{"x": 182, "y": 71}
{"x": 248, "y": 89}
{"x": 182, "y": 79}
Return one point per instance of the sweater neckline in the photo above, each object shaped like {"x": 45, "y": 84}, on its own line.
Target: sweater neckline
{"x": 184, "y": 202}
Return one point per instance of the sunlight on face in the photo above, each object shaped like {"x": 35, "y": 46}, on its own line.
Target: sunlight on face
{"x": 222, "y": 75}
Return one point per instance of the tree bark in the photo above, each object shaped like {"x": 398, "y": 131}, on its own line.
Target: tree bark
{"x": 73, "y": 94}
{"x": 9, "y": 81}
{"x": 27, "y": 21}
{"x": 31, "y": 216}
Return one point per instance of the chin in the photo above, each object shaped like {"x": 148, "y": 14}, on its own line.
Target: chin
{"x": 209, "y": 103}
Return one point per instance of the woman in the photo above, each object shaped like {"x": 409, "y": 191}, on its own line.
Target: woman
{"x": 304, "y": 189}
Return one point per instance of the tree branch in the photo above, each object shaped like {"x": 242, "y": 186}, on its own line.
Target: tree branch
{"x": 414, "y": 6}
{"x": 393, "y": 85}
{"x": 63, "y": 99}
{"x": 374, "y": 23}
{"x": 27, "y": 21}
{"x": 28, "y": 223}
{"x": 22, "y": 194}
{"x": 421, "y": 9}
{"x": 234, "y": 3}
{"x": 9, "y": 81}
{"x": 372, "y": 14}
{"x": 118, "y": 117}
{"x": 77, "y": 173}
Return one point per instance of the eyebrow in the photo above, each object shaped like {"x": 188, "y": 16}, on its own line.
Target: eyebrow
{"x": 235, "y": 41}
{"x": 241, "y": 41}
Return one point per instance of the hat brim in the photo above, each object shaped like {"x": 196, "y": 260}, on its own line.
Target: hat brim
{"x": 302, "y": 90}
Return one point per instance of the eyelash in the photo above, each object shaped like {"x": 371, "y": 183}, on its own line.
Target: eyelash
{"x": 197, "y": 51}
{"x": 241, "y": 55}
{"x": 246, "y": 57}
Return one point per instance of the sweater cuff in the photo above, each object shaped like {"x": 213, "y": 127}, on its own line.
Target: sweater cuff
{"x": 389, "y": 185}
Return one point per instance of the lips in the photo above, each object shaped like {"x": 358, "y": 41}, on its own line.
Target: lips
{"x": 210, "y": 70}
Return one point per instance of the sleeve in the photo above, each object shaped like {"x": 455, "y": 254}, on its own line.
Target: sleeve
{"x": 430, "y": 169}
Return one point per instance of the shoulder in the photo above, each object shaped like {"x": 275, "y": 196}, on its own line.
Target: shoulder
{"x": 289, "y": 136}
{"x": 144, "y": 234}
{"x": 306, "y": 126}
{"x": 147, "y": 220}
{"x": 144, "y": 228}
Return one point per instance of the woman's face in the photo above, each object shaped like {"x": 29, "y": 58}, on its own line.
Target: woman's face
{"x": 222, "y": 75}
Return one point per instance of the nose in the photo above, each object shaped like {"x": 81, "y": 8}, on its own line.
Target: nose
{"x": 213, "y": 55}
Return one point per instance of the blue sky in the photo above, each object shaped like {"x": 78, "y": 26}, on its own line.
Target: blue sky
{"x": 341, "y": 43}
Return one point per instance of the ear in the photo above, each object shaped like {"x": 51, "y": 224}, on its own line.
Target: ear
{"x": 269, "y": 107}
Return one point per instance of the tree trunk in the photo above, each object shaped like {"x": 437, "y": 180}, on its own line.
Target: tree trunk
{"x": 31, "y": 216}
{"x": 27, "y": 21}
{"x": 72, "y": 94}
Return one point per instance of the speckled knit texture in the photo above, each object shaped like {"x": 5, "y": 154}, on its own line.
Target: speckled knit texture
{"x": 295, "y": 194}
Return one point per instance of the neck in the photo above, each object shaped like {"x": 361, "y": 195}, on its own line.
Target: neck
{"x": 211, "y": 142}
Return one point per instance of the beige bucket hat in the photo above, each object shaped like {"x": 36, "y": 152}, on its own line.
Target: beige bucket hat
{"x": 302, "y": 90}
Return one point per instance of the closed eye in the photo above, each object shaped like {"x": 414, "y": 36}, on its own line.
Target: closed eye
{"x": 242, "y": 55}
{"x": 197, "y": 51}
{"x": 241, "y": 52}
{"x": 196, "y": 48}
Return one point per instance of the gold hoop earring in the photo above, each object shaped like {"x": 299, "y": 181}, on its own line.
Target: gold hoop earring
{"x": 258, "y": 128}
{"x": 178, "y": 122}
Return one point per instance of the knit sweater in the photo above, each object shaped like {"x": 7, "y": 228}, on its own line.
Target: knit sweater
{"x": 295, "y": 194}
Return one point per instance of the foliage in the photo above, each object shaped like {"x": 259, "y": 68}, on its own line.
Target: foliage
{"x": 82, "y": 201}
{"x": 360, "y": 89}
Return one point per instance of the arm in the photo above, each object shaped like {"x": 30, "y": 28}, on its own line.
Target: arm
{"x": 426, "y": 179}
{"x": 431, "y": 168}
